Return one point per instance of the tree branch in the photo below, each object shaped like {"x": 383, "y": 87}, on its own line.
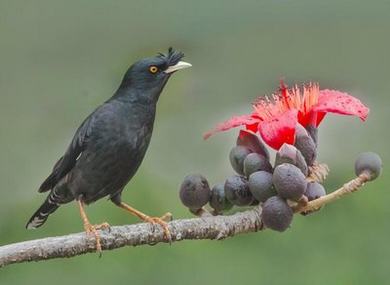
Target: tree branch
{"x": 205, "y": 227}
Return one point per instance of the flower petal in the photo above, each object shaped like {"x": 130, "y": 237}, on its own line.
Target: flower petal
{"x": 340, "y": 103}
{"x": 304, "y": 118}
{"x": 253, "y": 127}
{"x": 279, "y": 130}
{"x": 236, "y": 121}
{"x": 320, "y": 117}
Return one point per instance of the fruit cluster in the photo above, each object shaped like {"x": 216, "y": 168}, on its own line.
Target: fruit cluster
{"x": 276, "y": 187}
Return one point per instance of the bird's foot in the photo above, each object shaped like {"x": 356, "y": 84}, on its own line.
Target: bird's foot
{"x": 103, "y": 226}
{"x": 167, "y": 217}
{"x": 162, "y": 221}
{"x": 93, "y": 230}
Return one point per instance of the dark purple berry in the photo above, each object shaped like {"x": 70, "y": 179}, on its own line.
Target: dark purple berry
{"x": 290, "y": 154}
{"x": 314, "y": 190}
{"x": 252, "y": 142}
{"x": 370, "y": 163}
{"x": 237, "y": 156}
{"x": 237, "y": 191}
{"x": 289, "y": 181}
{"x": 260, "y": 185}
{"x": 277, "y": 214}
{"x": 256, "y": 162}
{"x": 306, "y": 145}
{"x": 218, "y": 200}
{"x": 194, "y": 191}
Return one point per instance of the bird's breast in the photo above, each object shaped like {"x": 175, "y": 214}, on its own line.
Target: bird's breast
{"x": 121, "y": 133}
{"x": 114, "y": 152}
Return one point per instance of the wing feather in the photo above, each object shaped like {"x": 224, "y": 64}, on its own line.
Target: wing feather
{"x": 68, "y": 160}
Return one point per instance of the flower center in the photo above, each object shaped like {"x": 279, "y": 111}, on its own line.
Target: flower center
{"x": 287, "y": 99}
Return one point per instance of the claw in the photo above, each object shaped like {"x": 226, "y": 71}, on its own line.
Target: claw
{"x": 103, "y": 226}
{"x": 167, "y": 217}
{"x": 161, "y": 221}
{"x": 93, "y": 230}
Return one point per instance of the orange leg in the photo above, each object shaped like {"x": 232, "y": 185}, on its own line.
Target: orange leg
{"x": 162, "y": 221}
{"x": 92, "y": 229}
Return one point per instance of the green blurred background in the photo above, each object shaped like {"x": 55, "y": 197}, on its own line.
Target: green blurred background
{"x": 60, "y": 59}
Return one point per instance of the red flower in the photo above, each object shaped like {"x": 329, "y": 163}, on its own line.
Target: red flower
{"x": 276, "y": 118}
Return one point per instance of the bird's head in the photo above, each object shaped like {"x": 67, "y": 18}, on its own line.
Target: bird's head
{"x": 149, "y": 75}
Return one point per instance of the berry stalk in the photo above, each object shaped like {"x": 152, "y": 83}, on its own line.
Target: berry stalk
{"x": 347, "y": 188}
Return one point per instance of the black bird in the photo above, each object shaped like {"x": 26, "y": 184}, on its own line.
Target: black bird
{"x": 110, "y": 145}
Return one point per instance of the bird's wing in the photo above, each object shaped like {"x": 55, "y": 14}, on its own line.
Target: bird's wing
{"x": 68, "y": 160}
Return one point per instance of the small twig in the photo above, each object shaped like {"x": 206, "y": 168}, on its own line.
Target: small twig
{"x": 297, "y": 205}
{"x": 347, "y": 188}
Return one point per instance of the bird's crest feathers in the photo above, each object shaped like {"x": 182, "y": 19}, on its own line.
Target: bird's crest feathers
{"x": 172, "y": 57}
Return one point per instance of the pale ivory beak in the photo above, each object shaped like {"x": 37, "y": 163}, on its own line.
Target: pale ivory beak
{"x": 177, "y": 66}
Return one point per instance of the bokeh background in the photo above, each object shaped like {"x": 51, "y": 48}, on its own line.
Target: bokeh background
{"x": 60, "y": 59}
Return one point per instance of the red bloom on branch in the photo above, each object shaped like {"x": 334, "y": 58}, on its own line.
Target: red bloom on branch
{"x": 276, "y": 118}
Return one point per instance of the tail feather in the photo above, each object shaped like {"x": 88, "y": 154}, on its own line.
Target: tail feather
{"x": 58, "y": 196}
{"x": 49, "y": 183}
{"x": 41, "y": 215}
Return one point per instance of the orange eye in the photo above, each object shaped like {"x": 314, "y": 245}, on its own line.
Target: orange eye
{"x": 153, "y": 69}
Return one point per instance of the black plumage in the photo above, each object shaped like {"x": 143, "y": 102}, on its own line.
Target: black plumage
{"x": 111, "y": 143}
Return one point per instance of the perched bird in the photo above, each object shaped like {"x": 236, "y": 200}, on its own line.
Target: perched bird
{"x": 110, "y": 145}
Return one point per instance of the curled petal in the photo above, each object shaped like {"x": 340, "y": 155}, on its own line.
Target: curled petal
{"x": 279, "y": 130}
{"x": 236, "y": 121}
{"x": 340, "y": 103}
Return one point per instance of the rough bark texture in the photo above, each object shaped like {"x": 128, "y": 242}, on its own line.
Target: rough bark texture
{"x": 209, "y": 227}
{"x": 205, "y": 227}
